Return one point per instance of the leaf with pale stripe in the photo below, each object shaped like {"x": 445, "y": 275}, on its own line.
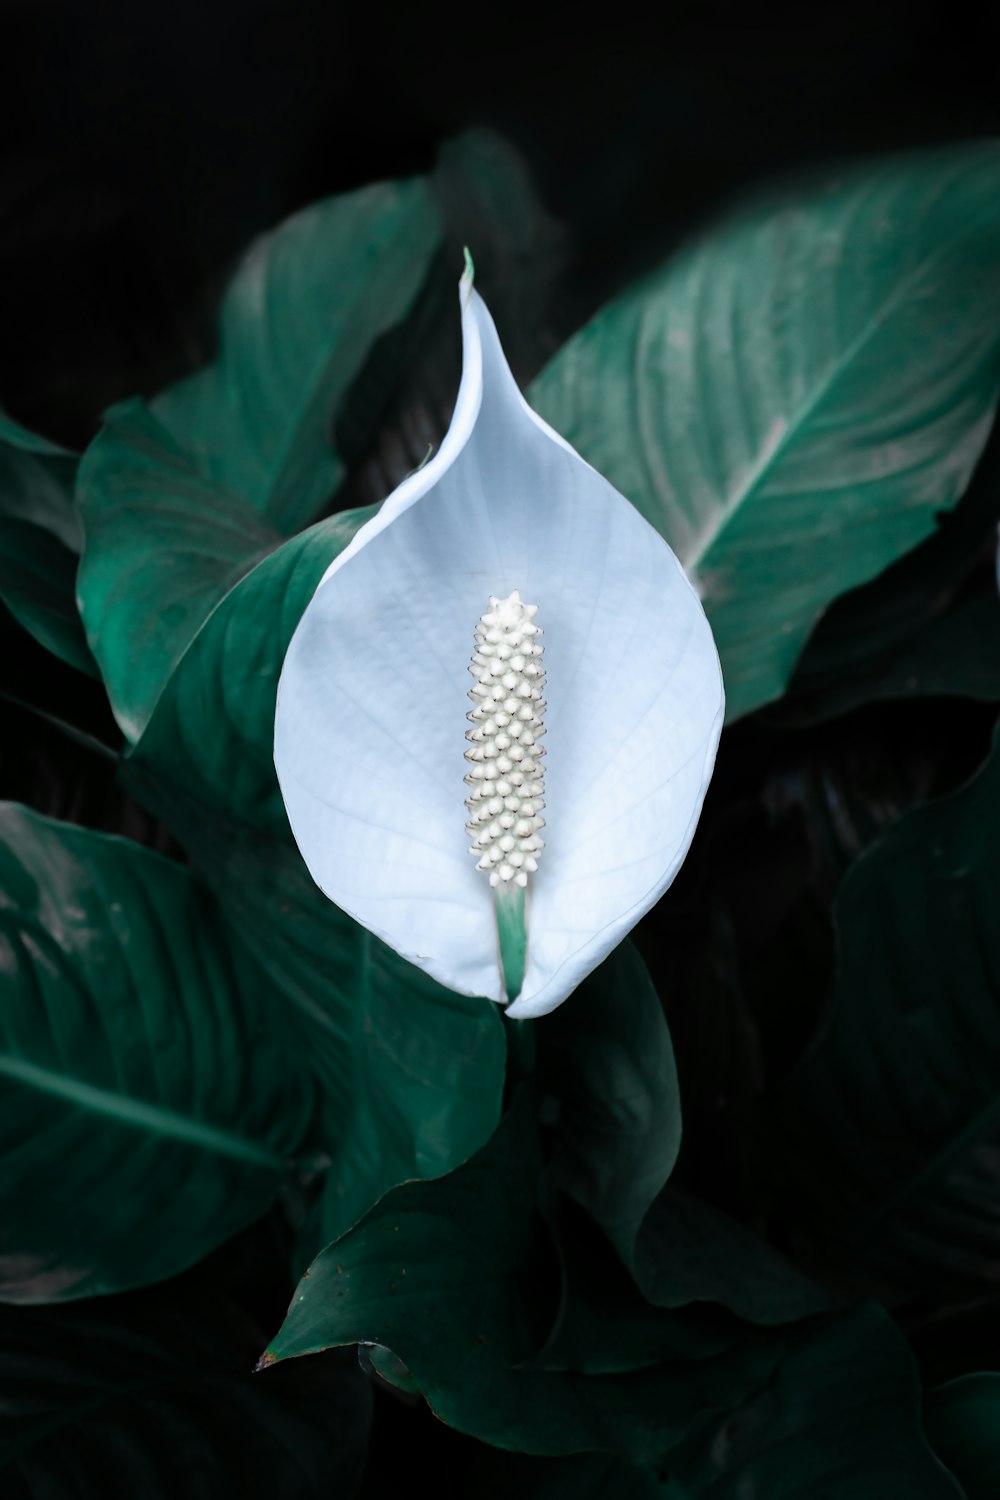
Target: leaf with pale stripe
{"x": 794, "y": 397}
{"x": 146, "y": 1109}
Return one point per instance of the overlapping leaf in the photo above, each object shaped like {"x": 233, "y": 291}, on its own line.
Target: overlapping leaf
{"x": 147, "y": 1107}
{"x": 190, "y": 602}
{"x": 609, "y": 1063}
{"x": 297, "y": 323}
{"x": 40, "y": 537}
{"x": 889, "y": 1131}
{"x": 411, "y": 1074}
{"x": 794, "y": 397}
{"x": 451, "y": 1276}
{"x": 840, "y": 1419}
{"x": 119, "y": 1398}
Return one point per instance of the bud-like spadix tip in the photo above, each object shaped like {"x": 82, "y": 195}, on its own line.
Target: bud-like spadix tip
{"x": 505, "y": 777}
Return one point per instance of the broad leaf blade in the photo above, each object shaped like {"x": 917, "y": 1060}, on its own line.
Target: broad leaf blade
{"x": 154, "y": 1396}
{"x": 382, "y": 1038}
{"x": 40, "y": 537}
{"x": 450, "y": 1275}
{"x": 793, "y": 398}
{"x": 887, "y": 1133}
{"x": 609, "y": 1063}
{"x": 839, "y": 1420}
{"x": 164, "y": 545}
{"x": 297, "y": 323}
{"x": 143, "y": 1102}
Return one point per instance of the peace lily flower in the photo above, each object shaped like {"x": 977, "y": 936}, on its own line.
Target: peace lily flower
{"x": 430, "y": 832}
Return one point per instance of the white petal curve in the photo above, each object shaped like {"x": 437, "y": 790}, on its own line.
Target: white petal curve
{"x": 369, "y": 733}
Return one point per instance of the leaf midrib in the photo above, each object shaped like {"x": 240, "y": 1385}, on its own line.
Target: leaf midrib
{"x": 139, "y": 1114}
{"x": 709, "y": 536}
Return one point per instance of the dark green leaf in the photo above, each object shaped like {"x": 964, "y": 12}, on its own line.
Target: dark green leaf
{"x": 451, "y": 1275}
{"x": 411, "y": 1073}
{"x": 164, "y": 545}
{"x": 957, "y": 656}
{"x": 839, "y": 1421}
{"x": 298, "y": 321}
{"x": 122, "y": 1399}
{"x": 793, "y": 398}
{"x": 689, "y": 1251}
{"x": 863, "y": 630}
{"x": 400, "y": 404}
{"x": 40, "y": 539}
{"x": 146, "y": 1110}
{"x": 605, "y": 1325}
{"x": 962, "y": 1423}
{"x": 608, "y": 1061}
{"x": 888, "y": 1131}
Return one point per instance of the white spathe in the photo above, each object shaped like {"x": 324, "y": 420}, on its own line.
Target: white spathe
{"x": 371, "y": 716}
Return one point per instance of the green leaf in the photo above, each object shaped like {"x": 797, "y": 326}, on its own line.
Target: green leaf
{"x": 411, "y": 1073}
{"x": 146, "y": 1110}
{"x": 840, "y": 1420}
{"x": 451, "y": 1276}
{"x": 604, "y": 1323}
{"x": 608, "y": 1061}
{"x": 957, "y": 656}
{"x": 40, "y": 539}
{"x": 962, "y": 1423}
{"x": 887, "y": 1132}
{"x": 299, "y": 318}
{"x": 793, "y": 398}
{"x": 864, "y": 631}
{"x": 691, "y": 1252}
{"x": 154, "y": 1397}
{"x": 163, "y": 547}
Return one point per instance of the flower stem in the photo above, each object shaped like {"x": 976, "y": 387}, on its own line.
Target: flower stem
{"x": 510, "y": 906}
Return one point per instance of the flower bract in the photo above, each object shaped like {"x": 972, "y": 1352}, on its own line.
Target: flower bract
{"x": 373, "y": 706}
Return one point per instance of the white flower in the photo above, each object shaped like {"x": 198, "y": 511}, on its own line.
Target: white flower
{"x": 373, "y": 705}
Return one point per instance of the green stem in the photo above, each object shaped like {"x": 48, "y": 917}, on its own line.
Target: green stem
{"x": 510, "y": 906}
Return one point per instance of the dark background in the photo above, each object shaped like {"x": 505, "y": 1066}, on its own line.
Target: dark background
{"x": 145, "y": 144}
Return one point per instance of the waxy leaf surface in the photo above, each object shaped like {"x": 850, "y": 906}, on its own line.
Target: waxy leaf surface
{"x": 147, "y": 1108}
{"x": 795, "y": 395}
{"x": 887, "y": 1133}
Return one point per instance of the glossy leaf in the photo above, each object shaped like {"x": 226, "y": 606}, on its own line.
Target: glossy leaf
{"x": 381, "y": 1038}
{"x": 122, "y": 1398}
{"x": 164, "y": 545}
{"x": 840, "y": 1419}
{"x": 888, "y": 1131}
{"x": 957, "y": 656}
{"x": 604, "y": 1324}
{"x": 299, "y": 318}
{"x": 610, "y": 1065}
{"x": 450, "y": 1275}
{"x": 690, "y": 1252}
{"x": 962, "y": 1423}
{"x": 794, "y": 397}
{"x": 147, "y": 1111}
{"x": 399, "y": 407}
{"x": 40, "y": 537}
